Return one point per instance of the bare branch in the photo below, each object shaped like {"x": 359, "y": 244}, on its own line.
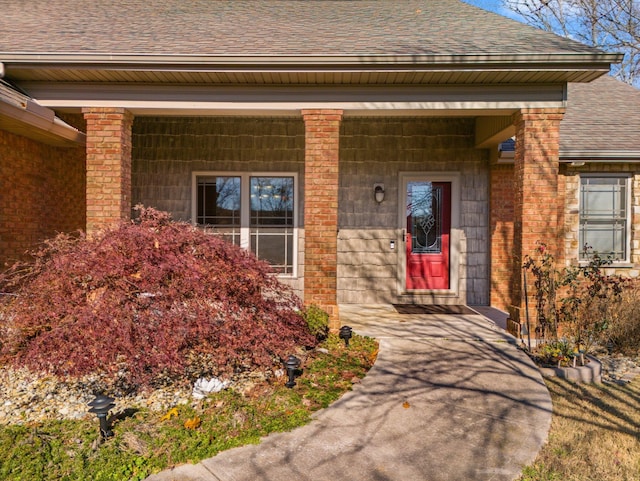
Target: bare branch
{"x": 611, "y": 25}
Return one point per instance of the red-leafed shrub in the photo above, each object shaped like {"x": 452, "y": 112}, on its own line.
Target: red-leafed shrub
{"x": 152, "y": 301}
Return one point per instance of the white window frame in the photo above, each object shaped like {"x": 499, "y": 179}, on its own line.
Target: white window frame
{"x": 627, "y": 228}
{"x": 245, "y": 206}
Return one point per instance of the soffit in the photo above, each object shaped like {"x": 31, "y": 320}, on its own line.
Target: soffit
{"x": 506, "y": 73}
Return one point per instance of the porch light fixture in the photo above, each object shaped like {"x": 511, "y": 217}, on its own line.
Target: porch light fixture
{"x": 101, "y": 406}
{"x": 345, "y": 334}
{"x": 291, "y": 364}
{"x": 378, "y": 192}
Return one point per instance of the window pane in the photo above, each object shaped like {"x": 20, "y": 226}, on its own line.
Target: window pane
{"x": 271, "y": 201}
{"x": 218, "y": 202}
{"x": 251, "y": 210}
{"x": 275, "y": 245}
{"x": 603, "y": 215}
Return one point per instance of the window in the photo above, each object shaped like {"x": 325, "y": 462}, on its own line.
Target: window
{"x": 604, "y": 213}
{"x": 254, "y": 211}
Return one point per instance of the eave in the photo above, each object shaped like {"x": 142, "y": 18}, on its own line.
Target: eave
{"x": 353, "y": 69}
{"x": 38, "y": 123}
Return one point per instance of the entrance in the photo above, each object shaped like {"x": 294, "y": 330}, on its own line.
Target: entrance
{"x": 428, "y": 232}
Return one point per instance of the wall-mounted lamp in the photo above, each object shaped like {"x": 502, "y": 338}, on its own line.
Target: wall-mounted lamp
{"x": 378, "y": 192}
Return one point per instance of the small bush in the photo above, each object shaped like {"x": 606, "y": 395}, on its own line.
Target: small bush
{"x": 317, "y": 321}
{"x": 578, "y": 301}
{"x": 152, "y": 301}
{"x": 556, "y": 353}
{"x": 624, "y": 326}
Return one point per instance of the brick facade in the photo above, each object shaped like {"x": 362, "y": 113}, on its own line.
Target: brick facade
{"x": 108, "y": 194}
{"x": 42, "y": 193}
{"x": 536, "y": 189}
{"x": 569, "y": 186}
{"x": 322, "y": 151}
{"x": 501, "y": 213}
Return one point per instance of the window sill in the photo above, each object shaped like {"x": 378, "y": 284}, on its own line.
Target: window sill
{"x": 613, "y": 265}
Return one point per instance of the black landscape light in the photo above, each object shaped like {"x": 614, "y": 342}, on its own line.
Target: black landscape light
{"x": 345, "y": 334}
{"x": 292, "y": 363}
{"x": 101, "y": 406}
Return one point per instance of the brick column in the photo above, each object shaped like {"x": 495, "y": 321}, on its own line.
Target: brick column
{"x": 536, "y": 191}
{"x": 322, "y": 135}
{"x": 108, "y": 166}
{"x": 501, "y": 222}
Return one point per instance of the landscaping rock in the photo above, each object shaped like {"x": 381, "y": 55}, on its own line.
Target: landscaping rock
{"x": 26, "y": 397}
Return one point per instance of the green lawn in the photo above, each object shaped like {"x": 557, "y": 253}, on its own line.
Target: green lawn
{"x": 146, "y": 442}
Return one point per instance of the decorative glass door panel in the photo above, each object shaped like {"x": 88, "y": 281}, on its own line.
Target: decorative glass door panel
{"x": 428, "y": 226}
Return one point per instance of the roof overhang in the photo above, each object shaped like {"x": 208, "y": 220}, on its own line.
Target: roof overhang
{"x": 355, "y": 69}
{"x": 29, "y": 119}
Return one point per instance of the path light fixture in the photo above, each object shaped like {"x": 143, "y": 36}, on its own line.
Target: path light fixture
{"x": 101, "y": 406}
{"x": 292, "y": 363}
{"x": 345, "y": 334}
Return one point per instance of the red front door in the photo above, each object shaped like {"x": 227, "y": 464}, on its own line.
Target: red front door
{"x": 428, "y": 231}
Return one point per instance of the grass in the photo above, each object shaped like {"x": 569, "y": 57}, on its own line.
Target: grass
{"x": 594, "y": 436}
{"x": 146, "y": 442}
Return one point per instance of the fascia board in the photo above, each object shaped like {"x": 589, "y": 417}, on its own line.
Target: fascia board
{"x": 599, "y": 156}
{"x": 604, "y": 156}
{"x": 405, "y": 100}
{"x": 479, "y": 93}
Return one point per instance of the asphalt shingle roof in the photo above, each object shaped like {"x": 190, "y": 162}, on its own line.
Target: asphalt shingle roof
{"x": 267, "y": 27}
{"x": 603, "y": 115}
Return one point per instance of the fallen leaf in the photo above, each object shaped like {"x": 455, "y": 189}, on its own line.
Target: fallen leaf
{"x": 406, "y": 405}
{"x": 192, "y": 423}
{"x": 171, "y": 413}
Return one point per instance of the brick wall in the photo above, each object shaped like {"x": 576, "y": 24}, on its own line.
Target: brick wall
{"x": 570, "y": 187}
{"x": 501, "y": 222}
{"x": 322, "y": 147}
{"x": 536, "y": 188}
{"x": 108, "y": 193}
{"x": 42, "y": 193}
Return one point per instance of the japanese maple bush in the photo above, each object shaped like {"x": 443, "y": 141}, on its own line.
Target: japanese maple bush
{"x": 152, "y": 301}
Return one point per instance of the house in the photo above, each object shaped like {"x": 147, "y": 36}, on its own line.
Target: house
{"x": 352, "y": 144}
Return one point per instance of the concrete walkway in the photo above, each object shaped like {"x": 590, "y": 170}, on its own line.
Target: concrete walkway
{"x": 449, "y": 398}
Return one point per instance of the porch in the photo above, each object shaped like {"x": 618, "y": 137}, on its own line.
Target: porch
{"x": 342, "y": 246}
